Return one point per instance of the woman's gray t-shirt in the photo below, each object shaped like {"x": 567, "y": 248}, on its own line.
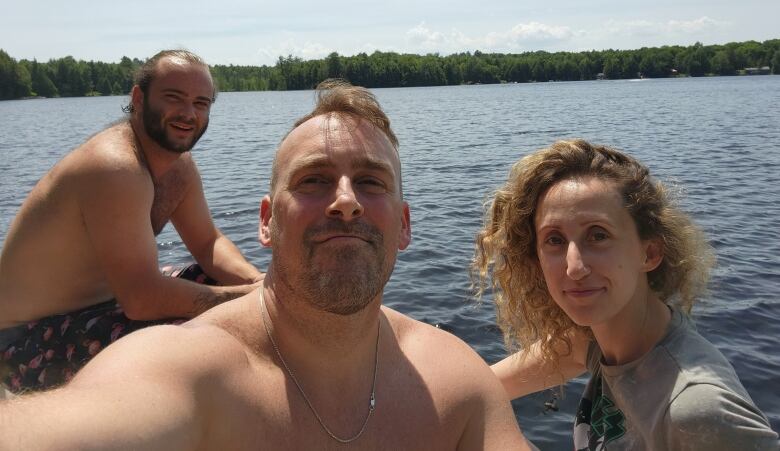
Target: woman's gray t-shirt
{"x": 681, "y": 395}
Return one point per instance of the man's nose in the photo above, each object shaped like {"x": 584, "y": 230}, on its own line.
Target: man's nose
{"x": 187, "y": 111}
{"x": 345, "y": 206}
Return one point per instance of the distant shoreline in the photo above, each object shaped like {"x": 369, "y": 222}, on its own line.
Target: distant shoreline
{"x": 67, "y": 77}
{"x": 433, "y": 86}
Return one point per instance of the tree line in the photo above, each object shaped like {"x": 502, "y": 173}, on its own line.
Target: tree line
{"x": 67, "y": 77}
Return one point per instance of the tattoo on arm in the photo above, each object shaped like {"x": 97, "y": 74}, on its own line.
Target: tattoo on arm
{"x": 206, "y": 300}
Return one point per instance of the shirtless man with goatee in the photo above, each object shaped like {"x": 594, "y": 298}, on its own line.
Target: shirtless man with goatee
{"x": 79, "y": 265}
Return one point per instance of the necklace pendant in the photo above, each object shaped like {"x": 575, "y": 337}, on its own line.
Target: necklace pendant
{"x": 372, "y": 403}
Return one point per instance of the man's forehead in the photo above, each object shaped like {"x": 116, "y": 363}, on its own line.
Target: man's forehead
{"x": 173, "y": 62}
{"x": 361, "y": 160}
{"x": 179, "y": 75}
{"x": 331, "y": 133}
{"x": 179, "y": 66}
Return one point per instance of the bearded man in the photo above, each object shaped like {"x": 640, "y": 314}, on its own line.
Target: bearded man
{"x": 79, "y": 265}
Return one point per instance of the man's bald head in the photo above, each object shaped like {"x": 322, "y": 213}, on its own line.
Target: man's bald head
{"x": 151, "y": 68}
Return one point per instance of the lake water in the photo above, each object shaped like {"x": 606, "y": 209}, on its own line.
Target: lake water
{"x": 716, "y": 138}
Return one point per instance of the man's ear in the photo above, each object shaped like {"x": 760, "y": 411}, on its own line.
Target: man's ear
{"x": 137, "y": 98}
{"x": 264, "y": 231}
{"x": 654, "y": 254}
{"x": 406, "y": 229}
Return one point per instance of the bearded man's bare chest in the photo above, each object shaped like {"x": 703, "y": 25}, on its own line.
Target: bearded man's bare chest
{"x": 169, "y": 192}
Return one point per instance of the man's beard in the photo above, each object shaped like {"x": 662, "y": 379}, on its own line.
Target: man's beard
{"x": 155, "y": 128}
{"x": 355, "y": 277}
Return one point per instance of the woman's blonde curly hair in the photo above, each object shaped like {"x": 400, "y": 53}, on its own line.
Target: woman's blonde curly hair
{"x": 506, "y": 260}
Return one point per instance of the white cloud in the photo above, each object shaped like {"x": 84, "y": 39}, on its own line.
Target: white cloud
{"x": 529, "y": 36}
{"x": 308, "y": 50}
{"x": 539, "y": 32}
{"x": 675, "y": 27}
{"x": 703, "y": 23}
{"x": 423, "y": 39}
{"x": 632, "y": 27}
{"x": 423, "y": 36}
{"x": 523, "y": 36}
{"x": 633, "y": 34}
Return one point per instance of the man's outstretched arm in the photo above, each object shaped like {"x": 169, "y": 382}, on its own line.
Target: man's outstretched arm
{"x": 115, "y": 206}
{"x": 213, "y": 251}
{"x": 133, "y": 395}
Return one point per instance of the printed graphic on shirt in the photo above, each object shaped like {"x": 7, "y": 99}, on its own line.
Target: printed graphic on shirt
{"x": 597, "y": 423}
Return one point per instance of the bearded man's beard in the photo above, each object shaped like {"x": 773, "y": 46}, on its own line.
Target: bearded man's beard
{"x": 344, "y": 281}
{"x": 155, "y": 128}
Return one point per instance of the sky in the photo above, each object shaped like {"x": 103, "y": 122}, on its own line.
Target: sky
{"x": 245, "y": 32}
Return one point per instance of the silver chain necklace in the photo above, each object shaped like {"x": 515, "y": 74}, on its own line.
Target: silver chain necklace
{"x": 372, "y": 399}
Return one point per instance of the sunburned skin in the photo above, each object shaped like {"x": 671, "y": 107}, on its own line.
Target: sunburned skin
{"x": 86, "y": 233}
{"x": 169, "y": 191}
{"x": 298, "y": 363}
{"x": 54, "y": 240}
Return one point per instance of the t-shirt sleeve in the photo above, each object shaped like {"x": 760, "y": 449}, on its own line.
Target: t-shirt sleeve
{"x": 706, "y": 416}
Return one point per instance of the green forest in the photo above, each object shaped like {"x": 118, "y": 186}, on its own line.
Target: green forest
{"x": 67, "y": 77}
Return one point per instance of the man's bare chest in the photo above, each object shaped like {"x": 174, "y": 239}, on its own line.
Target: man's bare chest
{"x": 280, "y": 418}
{"x": 169, "y": 193}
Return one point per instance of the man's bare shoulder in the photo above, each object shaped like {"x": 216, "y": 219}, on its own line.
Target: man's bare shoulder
{"x": 239, "y": 318}
{"x": 460, "y": 383}
{"x": 440, "y": 352}
{"x": 107, "y": 166}
{"x": 409, "y": 328}
{"x": 106, "y": 159}
{"x": 182, "y": 355}
{"x": 111, "y": 150}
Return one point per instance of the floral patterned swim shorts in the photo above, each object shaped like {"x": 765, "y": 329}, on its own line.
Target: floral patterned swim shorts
{"x": 51, "y": 350}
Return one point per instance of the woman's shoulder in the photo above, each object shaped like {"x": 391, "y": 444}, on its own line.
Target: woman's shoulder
{"x": 713, "y": 415}
{"x": 709, "y": 405}
{"x": 697, "y": 360}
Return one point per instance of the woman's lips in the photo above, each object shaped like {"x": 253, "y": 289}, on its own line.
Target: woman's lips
{"x": 583, "y": 292}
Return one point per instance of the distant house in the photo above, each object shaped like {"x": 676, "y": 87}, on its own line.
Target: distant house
{"x": 600, "y": 76}
{"x": 757, "y": 70}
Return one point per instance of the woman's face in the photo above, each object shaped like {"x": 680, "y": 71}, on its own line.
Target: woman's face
{"x": 592, "y": 258}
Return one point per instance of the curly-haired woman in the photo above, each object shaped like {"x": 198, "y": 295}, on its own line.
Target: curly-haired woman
{"x": 594, "y": 268}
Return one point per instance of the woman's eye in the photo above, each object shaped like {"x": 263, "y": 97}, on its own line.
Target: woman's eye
{"x": 599, "y": 235}
{"x": 314, "y": 180}
{"x": 554, "y": 240}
